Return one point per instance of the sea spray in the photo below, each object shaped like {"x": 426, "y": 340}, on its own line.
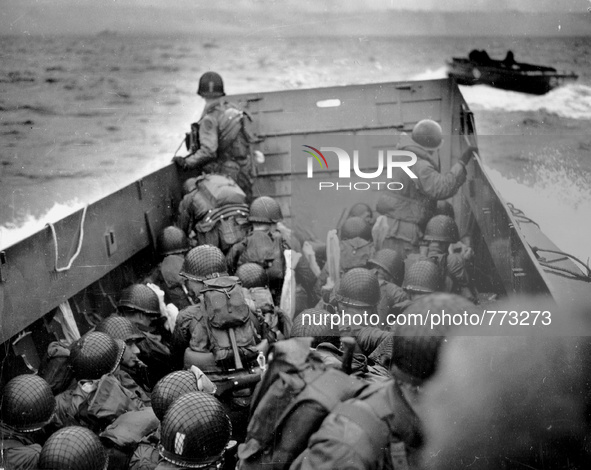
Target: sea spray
{"x": 559, "y": 200}
{"x": 571, "y": 101}
{"x": 28, "y": 225}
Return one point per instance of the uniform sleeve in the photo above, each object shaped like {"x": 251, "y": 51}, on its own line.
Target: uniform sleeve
{"x": 436, "y": 185}
{"x": 22, "y": 458}
{"x": 339, "y": 443}
{"x": 208, "y": 144}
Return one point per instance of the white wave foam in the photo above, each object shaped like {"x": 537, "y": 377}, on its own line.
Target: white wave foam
{"x": 430, "y": 74}
{"x": 559, "y": 201}
{"x": 570, "y": 101}
{"x": 14, "y": 232}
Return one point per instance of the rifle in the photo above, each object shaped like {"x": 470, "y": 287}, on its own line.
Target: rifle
{"x": 237, "y": 382}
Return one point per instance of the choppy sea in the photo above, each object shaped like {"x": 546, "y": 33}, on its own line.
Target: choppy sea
{"x": 81, "y": 116}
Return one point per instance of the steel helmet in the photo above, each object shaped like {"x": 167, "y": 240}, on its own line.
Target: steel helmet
{"x": 421, "y": 277}
{"x": 358, "y": 287}
{"x": 252, "y": 275}
{"x": 27, "y": 403}
{"x": 140, "y": 297}
{"x": 211, "y": 85}
{"x": 73, "y": 448}
{"x": 94, "y": 355}
{"x": 119, "y": 327}
{"x": 442, "y": 228}
{"x": 415, "y": 347}
{"x": 172, "y": 241}
{"x": 391, "y": 262}
{"x": 195, "y": 431}
{"x": 312, "y": 322}
{"x": 204, "y": 262}
{"x": 265, "y": 210}
{"x": 169, "y": 388}
{"x": 428, "y": 134}
{"x": 355, "y": 227}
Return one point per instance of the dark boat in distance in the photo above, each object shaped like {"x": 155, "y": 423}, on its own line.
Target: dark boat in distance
{"x": 480, "y": 69}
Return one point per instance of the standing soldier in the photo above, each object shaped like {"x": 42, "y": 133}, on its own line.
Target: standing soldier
{"x": 408, "y": 210}
{"x": 222, "y": 144}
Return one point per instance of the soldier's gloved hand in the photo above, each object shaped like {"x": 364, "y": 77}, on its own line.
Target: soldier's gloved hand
{"x": 180, "y": 162}
{"x": 467, "y": 155}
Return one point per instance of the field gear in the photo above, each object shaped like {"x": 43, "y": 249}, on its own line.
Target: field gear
{"x": 118, "y": 327}
{"x": 376, "y": 429}
{"x": 195, "y": 431}
{"x": 265, "y": 210}
{"x": 359, "y": 288}
{"x": 428, "y": 134}
{"x": 391, "y": 262}
{"x": 27, "y": 403}
{"x": 140, "y": 297}
{"x": 94, "y": 355}
{"x": 252, "y": 275}
{"x": 172, "y": 241}
{"x": 211, "y": 85}
{"x": 169, "y": 388}
{"x": 73, "y": 447}
{"x": 294, "y": 396}
{"x": 422, "y": 277}
{"x": 203, "y": 262}
{"x": 442, "y": 228}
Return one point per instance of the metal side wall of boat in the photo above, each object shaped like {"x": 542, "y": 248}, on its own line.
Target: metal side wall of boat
{"x": 119, "y": 230}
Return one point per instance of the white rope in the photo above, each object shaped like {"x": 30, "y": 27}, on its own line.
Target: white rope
{"x": 78, "y": 250}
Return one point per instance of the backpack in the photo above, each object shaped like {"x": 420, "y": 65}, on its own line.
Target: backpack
{"x": 223, "y": 227}
{"x": 295, "y": 395}
{"x": 390, "y": 430}
{"x": 234, "y": 139}
{"x": 212, "y": 192}
{"x": 355, "y": 253}
{"x": 263, "y": 247}
{"x": 226, "y": 308}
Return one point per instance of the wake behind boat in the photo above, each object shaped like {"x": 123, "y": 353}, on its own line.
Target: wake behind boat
{"x": 507, "y": 74}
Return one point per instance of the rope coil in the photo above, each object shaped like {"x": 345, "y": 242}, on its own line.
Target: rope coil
{"x": 78, "y": 250}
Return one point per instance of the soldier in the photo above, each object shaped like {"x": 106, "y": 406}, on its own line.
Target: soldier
{"x": 132, "y": 372}
{"x": 223, "y": 144}
{"x": 389, "y": 268}
{"x": 205, "y": 429}
{"x": 408, "y": 210}
{"x": 99, "y": 397}
{"x": 201, "y": 263}
{"x": 142, "y": 306}
{"x": 421, "y": 278}
{"x": 380, "y": 429}
{"x": 440, "y": 233}
{"x": 355, "y": 247}
{"x": 274, "y": 324}
{"x": 27, "y": 407}
{"x": 73, "y": 447}
{"x": 172, "y": 244}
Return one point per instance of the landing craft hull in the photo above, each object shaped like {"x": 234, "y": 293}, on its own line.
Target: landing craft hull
{"x": 119, "y": 230}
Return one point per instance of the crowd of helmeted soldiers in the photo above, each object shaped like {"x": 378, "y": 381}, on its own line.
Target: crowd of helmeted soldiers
{"x": 210, "y": 363}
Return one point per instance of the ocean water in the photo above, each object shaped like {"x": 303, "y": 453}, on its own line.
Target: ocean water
{"x": 82, "y": 116}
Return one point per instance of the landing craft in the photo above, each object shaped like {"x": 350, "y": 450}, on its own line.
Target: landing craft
{"x": 81, "y": 263}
